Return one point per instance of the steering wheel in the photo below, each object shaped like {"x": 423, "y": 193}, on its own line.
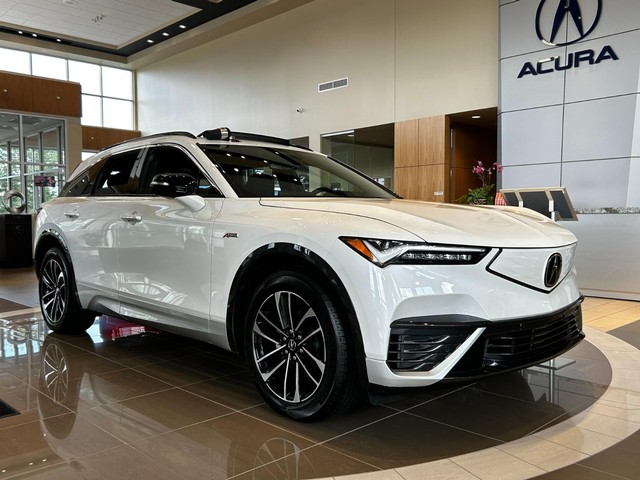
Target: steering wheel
{"x": 321, "y": 191}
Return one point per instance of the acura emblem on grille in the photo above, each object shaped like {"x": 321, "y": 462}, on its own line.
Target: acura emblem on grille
{"x": 553, "y": 270}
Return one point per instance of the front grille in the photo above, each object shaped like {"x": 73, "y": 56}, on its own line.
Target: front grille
{"x": 418, "y": 346}
{"x": 524, "y": 342}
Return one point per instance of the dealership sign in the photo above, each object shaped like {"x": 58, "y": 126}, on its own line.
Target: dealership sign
{"x": 570, "y": 17}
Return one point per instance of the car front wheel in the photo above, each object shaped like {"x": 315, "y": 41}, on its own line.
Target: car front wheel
{"x": 297, "y": 348}
{"x": 58, "y": 302}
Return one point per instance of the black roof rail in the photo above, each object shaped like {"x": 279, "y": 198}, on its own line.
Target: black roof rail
{"x": 260, "y": 138}
{"x": 223, "y": 133}
{"x": 153, "y": 135}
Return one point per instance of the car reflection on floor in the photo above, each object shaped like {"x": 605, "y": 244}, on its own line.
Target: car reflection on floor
{"x": 184, "y": 406}
{"x": 72, "y": 389}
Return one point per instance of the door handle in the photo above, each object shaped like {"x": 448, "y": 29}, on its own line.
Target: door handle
{"x": 133, "y": 217}
{"x": 72, "y": 214}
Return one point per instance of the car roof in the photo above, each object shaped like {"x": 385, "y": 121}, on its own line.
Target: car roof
{"x": 218, "y": 136}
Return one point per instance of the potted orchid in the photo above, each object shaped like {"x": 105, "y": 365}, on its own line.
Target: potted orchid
{"x": 482, "y": 195}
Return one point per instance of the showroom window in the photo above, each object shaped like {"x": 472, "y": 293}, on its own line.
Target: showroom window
{"x": 32, "y": 157}
{"x": 369, "y": 150}
{"x": 107, "y": 92}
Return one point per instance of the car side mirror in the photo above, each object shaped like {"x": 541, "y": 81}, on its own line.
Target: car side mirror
{"x": 174, "y": 185}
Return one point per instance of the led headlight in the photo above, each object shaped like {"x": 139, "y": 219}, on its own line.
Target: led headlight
{"x": 386, "y": 252}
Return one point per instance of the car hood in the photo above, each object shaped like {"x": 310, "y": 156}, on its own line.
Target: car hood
{"x": 446, "y": 223}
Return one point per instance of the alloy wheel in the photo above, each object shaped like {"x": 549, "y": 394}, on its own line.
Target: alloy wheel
{"x": 53, "y": 296}
{"x": 289, "y": 347}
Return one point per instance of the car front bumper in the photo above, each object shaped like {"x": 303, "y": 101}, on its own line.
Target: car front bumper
{"x": 425, "y": 350}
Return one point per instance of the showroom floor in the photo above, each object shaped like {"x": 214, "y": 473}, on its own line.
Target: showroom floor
{"x": 126, "y": 402}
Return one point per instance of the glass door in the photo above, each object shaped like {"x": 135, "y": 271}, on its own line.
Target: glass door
{"x": 32, "y": 157}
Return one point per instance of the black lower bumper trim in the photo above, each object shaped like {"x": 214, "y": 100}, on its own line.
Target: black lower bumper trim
{"x": 505, "y": 345}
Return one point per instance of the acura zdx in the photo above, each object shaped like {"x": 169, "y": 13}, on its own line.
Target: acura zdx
{"x": 328, "y": 284}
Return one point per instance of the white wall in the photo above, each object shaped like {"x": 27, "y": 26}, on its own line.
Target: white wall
{"x": 574, "y": 127}
{"x": 404, "y": 58}
{"x": 578, "y": 128}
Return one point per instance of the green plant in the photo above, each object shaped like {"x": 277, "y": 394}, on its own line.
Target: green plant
{"x": 482, "y": 195}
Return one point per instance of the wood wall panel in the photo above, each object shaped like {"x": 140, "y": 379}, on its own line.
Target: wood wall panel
{"x": 15, "y": 92}
{"x": 406, "y": 184}
{"x": 420, "y": 182}
{"x": 422, "y": 159}
{"x": 25, "y": 93}
{"x": 432, "y": 141}
{"x": 406, "y": 146}
{"x": 56, "y": 97}
{"x": 97, "y": 138}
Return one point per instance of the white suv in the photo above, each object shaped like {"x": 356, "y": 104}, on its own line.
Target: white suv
{"x": 329, "y": 284}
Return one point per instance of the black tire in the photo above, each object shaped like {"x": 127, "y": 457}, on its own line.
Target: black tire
{"x": 297, "y": 347}
{"x": 58, "y": 299}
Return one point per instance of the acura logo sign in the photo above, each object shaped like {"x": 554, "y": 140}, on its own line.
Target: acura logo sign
{"x": 570, "y": 20}
{"x": 553, "y": 270}
{"x": 568, "y": 17}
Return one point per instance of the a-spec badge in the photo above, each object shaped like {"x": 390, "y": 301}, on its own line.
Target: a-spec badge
{"x": 230, "y": 235}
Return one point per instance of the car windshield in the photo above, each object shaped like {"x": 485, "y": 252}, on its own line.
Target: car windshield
{"x": 273, "y": 172}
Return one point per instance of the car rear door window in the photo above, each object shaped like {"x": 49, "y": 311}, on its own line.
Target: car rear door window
{"x": 83, "y": 184}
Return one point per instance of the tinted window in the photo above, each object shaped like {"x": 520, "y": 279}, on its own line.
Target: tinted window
{"x": 83, "y": 184}
{"x": 118, "y": 176}
{"x": 274, "y": 172}
{"x": 168, "y": 159}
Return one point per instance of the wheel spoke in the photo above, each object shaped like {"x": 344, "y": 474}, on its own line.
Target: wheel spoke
{"x": 304, "y": 340}
{"x": 60, "y": 304}
{"x": 48, "y": 307}
{"x": 296, "y": 396}
{"x": 309, "y": 314}
{"x": 286, "y": 377}
{"x": 276, "y": 350}
{"x": 267, "y": 375}
{"x": 266, "y": 319}
{"x": 283, "y": 306}
{"x": 318, "y": 364}
{"x": 48, "y": 298}
{"x": 48, "y": 281}
{"x": 258, "y": 330}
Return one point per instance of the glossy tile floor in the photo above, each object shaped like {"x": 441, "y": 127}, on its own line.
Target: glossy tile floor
{"x": 124, "y": 402}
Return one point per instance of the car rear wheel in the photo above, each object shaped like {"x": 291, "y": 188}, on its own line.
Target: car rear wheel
{"x": 297, "y": 348}
{"x": 58, "y": 300}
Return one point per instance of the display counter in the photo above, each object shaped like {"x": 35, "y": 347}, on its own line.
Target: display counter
{"x": 608, "y": 255}
{"x": 15, "y": 240}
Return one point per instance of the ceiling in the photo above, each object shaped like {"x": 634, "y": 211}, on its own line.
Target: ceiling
{"x": 120, "y": 30}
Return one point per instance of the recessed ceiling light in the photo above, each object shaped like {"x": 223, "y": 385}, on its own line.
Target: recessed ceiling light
{"x": 149, "y": 41}
{"x": 20, "y": 32}
{"x": 34, "y": 35}
{"x": 58, "y": 40}
{"x": 183, "y": 26}
{"x": 165, "y": 34}
{"x": 475, "y": 117}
